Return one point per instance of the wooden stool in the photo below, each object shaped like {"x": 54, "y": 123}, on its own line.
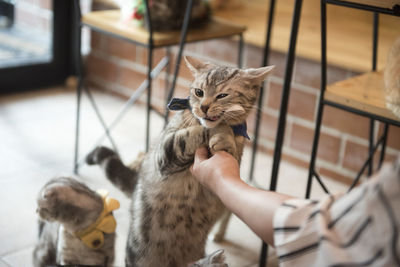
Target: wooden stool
{"x": 362, "y": 95}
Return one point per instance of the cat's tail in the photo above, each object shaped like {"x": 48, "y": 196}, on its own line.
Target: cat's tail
{"x": 392, "y": 79}
{"x": 117, "y": 173}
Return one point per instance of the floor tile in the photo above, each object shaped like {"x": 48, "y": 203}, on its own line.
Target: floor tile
{"x": 4, "y": 264}
{"x": 18, "y": 195}
{"x": 21, "y": 258}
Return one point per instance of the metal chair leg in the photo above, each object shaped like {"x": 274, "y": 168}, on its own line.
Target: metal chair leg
{"x": 148, "y": 102}
{"x": 185, "y": 28}
{"x": 284, "y": 106}
{"x": 149, "y": 78}
{"x": 371, "y": 145}
{"x": 167, "y": 73}
{"x": 374, "y": 62}
{"x": 383, "y": 150}
{"x": 78, "y": 70}
{"x": 77, "y": 123}
{"x": 265, "y": 61}
{"x": 317, "y": 130}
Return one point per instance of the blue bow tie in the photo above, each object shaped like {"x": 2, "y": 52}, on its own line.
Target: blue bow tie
{"x": 183, "y": 103}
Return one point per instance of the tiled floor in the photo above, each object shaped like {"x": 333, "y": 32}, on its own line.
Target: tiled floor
{"x": 37, "y": 140}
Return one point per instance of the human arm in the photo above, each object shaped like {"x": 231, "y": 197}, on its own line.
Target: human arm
{"x": 256, "y": 207}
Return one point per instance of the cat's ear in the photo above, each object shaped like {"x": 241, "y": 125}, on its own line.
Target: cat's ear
{"x": 258, "y": 74}
{"x": 195, "y": 65}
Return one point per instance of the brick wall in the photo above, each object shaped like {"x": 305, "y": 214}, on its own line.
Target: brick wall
{"x": 117, "y": 66}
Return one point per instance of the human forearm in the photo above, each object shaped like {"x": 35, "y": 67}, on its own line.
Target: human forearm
{"x": 253, "y": 206}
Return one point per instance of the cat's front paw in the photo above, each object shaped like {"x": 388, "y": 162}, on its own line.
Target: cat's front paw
{"x": 221, "y": 139}
{"x": 221, "y": 143}
{"x": 98, "y": 155}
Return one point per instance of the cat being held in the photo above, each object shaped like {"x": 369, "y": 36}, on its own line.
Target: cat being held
{"x": 172, "y": 213}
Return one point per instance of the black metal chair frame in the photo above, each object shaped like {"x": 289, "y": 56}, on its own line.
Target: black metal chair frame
{"x": 280, "y": 133}
{"x": 373, "y": 146}
{"x": 146, "y": 84}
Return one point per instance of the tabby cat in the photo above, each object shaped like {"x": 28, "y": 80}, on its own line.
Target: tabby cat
{"x": 172, "y": 213}
{"x": 392, "y": 79}
{"x": 76, "y": 225}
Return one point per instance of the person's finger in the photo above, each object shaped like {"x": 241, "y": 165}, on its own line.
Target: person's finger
{"x": 201, "y": 155}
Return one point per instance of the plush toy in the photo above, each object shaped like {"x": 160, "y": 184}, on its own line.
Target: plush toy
{"x": 76, "y": 225}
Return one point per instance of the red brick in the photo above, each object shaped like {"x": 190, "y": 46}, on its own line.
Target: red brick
{"x": 304, "y": 163}
{"x": 192, "y": 47}
{"x": 158, "y": 54}
{"x": 268, "y": 125}
{"x": 301, "y": 104}
{"x": 388, "y": 158}
{"x": 104, "y": 69}
{"x": 354, "y": 156}
{"x": 335, "y": 176}
{"x": 308, "y": 72}
{"x": 119, "y": 48}
{"x": 254, "y": 59}
{"x": 130, "y": 78}
{"x": 161, "y": 92}
{"x": 222, "y": 49}
{"x": 302, "y": 138}
{"x": 96, "y": 40}
{"x": 273, "y": 97}
{"x": 346, "y": 122}
{"x": 184, "y": 71}
{"x": 394, "y": 137}
{"x": 260, "y": 148}
{"x": 253, "y": 56}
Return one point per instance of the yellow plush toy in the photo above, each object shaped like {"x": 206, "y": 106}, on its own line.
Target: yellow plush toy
{"x": 93, "y": 235}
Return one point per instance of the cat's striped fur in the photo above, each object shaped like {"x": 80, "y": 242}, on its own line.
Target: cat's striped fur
{"x": 172, "y": 213}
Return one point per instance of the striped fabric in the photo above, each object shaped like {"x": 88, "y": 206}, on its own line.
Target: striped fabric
{"x": 360, "y": 228}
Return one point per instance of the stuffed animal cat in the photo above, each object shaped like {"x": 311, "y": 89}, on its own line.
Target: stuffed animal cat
{"x": 76, "y": 225}
{"x": 392, "y": 79}
{"x": 172, "y": 213}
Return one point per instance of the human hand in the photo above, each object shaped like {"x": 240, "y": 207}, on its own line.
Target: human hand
{"x": 210, "y": 170}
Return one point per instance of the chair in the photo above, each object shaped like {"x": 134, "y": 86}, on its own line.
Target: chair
{"x": 362, "y": 95}
{"x": 108, "y": 22}
{"x": 280, "y": 133}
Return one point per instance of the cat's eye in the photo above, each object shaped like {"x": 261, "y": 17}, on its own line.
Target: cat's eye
{"x": 221, "y": 96}
{"x": 198, "y": 92}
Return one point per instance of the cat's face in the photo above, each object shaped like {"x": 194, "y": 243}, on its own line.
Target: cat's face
{"x": 69, "y": 202}
{"x": 223, "y": 94}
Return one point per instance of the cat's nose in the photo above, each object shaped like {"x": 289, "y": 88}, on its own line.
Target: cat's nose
{"x": 204, "y": 108}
